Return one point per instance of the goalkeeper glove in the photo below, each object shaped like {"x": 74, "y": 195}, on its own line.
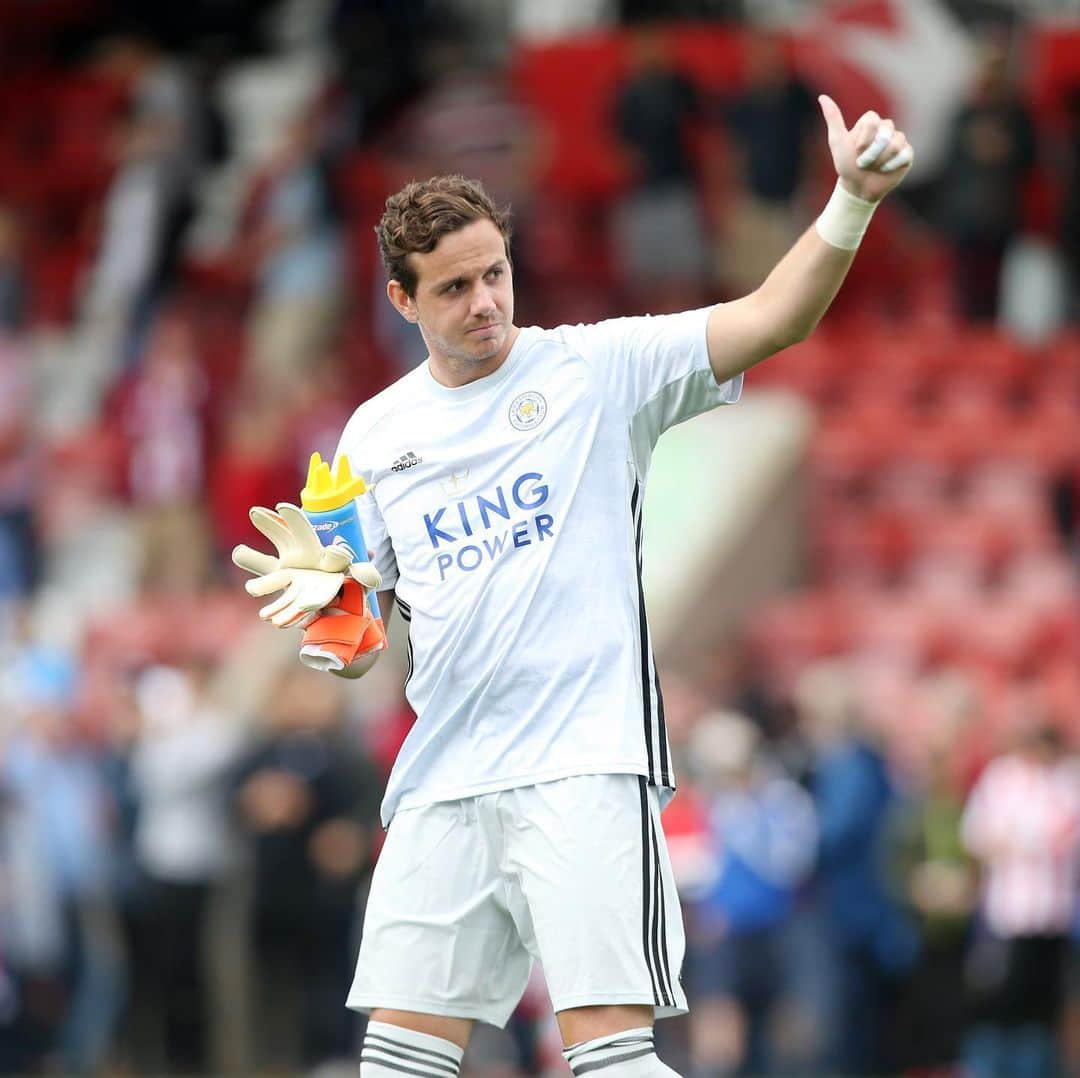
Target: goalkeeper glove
{"x": 344, "y": 633}
{"x": 309, "y": 575}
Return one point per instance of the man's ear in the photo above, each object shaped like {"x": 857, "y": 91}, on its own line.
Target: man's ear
{"x": 401, "y": 300}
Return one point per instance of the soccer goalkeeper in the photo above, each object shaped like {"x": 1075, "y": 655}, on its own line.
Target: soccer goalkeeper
{"x": 507, "y": 475}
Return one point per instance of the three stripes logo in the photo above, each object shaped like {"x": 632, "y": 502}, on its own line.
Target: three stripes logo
{"x": 406, "y": 461}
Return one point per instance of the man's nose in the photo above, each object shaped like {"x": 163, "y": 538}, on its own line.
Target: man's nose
{"x": 483, "y": 301}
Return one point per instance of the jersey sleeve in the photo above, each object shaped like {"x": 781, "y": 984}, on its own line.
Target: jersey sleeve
{"x": 371, "y": 519}
{"x": 654, "y": 367}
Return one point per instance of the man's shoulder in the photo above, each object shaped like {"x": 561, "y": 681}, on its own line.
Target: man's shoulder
{"x": 579, "y": 337}
{"x": 373, "y": 413}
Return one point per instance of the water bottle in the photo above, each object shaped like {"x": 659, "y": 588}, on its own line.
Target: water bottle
{"x": 329, "y": 502}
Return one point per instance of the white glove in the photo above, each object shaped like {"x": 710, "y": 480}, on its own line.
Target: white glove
{"x": 309, "y": 574}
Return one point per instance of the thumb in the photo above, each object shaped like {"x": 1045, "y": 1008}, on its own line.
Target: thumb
{"x": 363, "y": 572}
{"x": 834, "y": 118}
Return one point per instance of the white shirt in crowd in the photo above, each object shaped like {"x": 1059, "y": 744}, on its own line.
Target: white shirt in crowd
{"x": 179, "y": 768}
{"x": 506, "y": 514}
{"x": 1022, "y": 822}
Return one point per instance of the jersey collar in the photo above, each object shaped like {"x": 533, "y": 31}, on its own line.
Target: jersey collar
{"x": 473, "y": 390}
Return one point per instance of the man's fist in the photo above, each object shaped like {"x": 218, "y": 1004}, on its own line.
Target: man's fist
{"x": 871, "y": 158}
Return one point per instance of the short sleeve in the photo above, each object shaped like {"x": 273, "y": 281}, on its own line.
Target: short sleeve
{"x": 655, "y": 368}
{"x": 380, "y": 549}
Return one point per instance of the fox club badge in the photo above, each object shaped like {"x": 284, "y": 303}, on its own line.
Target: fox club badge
{"x": 527, "y": 410}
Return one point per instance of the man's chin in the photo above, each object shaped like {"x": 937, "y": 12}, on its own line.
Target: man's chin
{"x": 483, "y": 351}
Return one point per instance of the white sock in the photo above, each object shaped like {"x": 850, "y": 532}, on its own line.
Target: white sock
{"x": 390, "y": 1051}
{"x": 627, "y": 1054}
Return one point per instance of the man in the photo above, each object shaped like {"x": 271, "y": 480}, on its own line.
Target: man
{"x": 504, "y": 517}
{"x": 1022, "y": 825}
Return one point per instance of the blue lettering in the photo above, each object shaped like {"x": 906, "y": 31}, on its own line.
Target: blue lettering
{"x": 464, "y": 518}
{"x": 543, "y": 526}
{"x": 520, "y": 533}
{"x": 539, "y": 494}
{"x": 435, "y": 533}
{"x": 484, "y": 505}
{"x": 470, "y": 549}
{"x": 495, "y": 546}
{"x": 445, "y": 561}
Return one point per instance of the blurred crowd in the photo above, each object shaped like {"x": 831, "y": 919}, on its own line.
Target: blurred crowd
{"x": 877, "y": 835}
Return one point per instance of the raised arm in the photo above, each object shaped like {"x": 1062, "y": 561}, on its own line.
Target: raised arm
{"x": 870, "y": 159}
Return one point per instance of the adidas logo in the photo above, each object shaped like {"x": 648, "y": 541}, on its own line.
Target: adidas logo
{"x": 409, "y": 460}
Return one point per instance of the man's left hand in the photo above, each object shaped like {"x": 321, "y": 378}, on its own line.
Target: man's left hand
{"x": 871, "y": 158}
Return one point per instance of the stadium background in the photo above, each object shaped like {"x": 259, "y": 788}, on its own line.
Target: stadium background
{"x": 863, "y": 579}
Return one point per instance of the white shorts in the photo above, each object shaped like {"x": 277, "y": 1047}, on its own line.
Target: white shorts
{"x": 575, "y": 873}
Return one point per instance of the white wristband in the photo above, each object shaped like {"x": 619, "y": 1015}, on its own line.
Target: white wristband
{"x": 845, "y": 218}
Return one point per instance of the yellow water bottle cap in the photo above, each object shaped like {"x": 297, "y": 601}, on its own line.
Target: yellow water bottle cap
{"x": 323, "y": 492}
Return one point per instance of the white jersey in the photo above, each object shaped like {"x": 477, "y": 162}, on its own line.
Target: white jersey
{"x": 506, "y": 514}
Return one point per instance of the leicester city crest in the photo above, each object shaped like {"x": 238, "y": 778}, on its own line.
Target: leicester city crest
{"x": 527, "y": 410}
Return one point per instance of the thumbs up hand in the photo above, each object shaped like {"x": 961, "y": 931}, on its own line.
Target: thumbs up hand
{"x": 870, "y": 159}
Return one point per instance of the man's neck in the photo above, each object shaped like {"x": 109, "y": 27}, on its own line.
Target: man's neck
{"x": 455, "y": 373}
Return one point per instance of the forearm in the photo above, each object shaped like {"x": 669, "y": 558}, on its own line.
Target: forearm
{"x": 358, "y": 667}
{"x": 787, "y": 306}
{"x": 802, "y": 285}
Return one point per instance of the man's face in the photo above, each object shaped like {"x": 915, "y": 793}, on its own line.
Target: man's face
{"x": 464, "y": 302}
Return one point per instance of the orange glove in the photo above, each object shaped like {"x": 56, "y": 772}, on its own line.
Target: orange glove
{"x": 345, "y": 635}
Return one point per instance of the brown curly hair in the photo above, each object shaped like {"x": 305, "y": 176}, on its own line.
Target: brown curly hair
{"x": 424, "y": 211}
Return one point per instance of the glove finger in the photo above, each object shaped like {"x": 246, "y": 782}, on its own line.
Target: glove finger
{"x": 336, "y": 558}
{"x": 298, "y": 606}
{"x": 264, "y": 585}
{"x": 287, "y": 608}
{"x": 272, "y": 609}
{"x": 289, "y": 616}
{"x": 303, "y": 535}
{"x": 273, "y": 527}
{"x": 309, "y": 591}
{"x": 363, "y": 572}
{"x": 254, "y": 561}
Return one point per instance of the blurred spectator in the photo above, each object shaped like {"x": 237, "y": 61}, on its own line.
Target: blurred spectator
{"x": 297, "y": 256}
{"x": 12, "y": 274}
{"x": 159, "y": 151}
{"x": 871, "y": 942}
{"x": 163, "y": 422}
{"x": 121, "y": 731}
{"x": 378, "y": 46}
{"x": 938, "y": 881}
{"x": 1070, "y": 216}
{"x": 764, "y": 834}
{"x": 654, "y": 110}
{"x": 60, "y": 934}
{"x": 1022, "y": 824}
{"x": 20, "y": 553}
{"x": 184, "y": 846}
{"x": 772, "y": 121}
{"x": 992, "y": 153}
{"x": 308, "y": 798}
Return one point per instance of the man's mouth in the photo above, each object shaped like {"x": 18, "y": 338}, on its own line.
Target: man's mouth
{"x": 482, "y": 329}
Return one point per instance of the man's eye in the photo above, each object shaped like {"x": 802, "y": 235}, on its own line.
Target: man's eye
{"x": 493, "y": 273}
